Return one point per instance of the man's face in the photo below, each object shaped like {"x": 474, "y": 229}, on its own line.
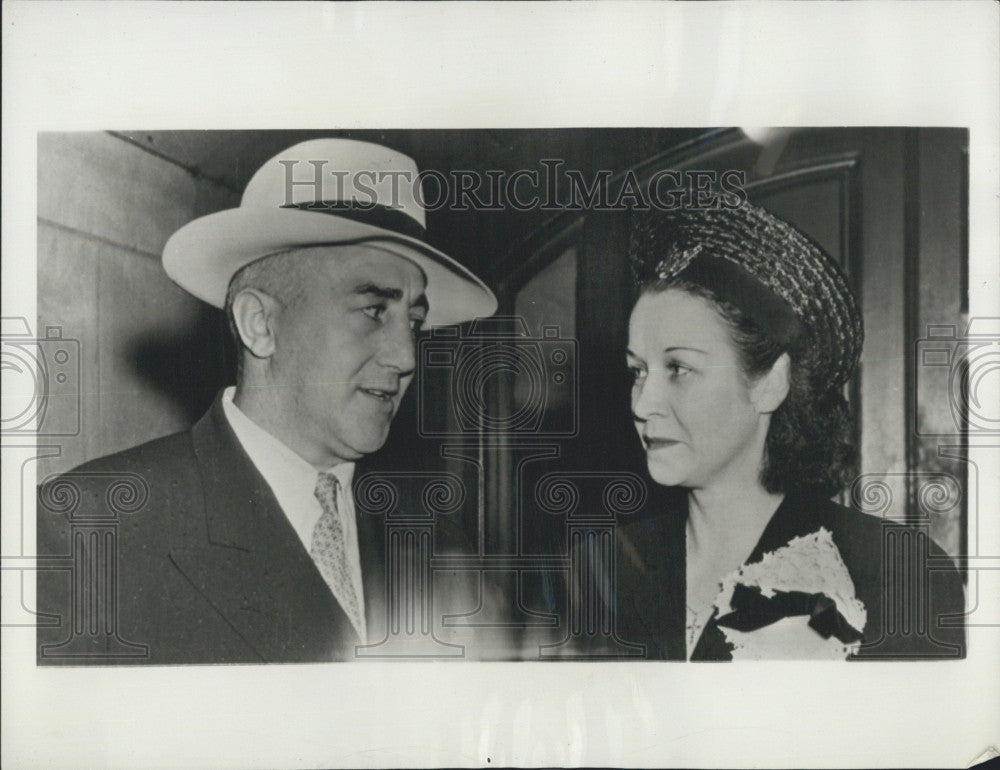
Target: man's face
{"x": 344, "y": 350}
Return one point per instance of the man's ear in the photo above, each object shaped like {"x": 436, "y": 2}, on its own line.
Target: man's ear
{"x": 255, "y": 314}
{"x": 771, "y": 389}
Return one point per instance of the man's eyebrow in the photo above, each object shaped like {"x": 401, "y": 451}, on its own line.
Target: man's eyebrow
{"x": 385, "y": 292}
{"x": 382, "y": 292}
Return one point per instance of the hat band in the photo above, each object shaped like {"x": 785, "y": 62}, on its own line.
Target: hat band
{"x": 732, "y": 284}
{"x": 373, "y": 214}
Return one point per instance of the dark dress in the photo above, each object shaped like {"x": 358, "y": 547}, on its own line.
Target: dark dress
{"x": 912, "y": 593}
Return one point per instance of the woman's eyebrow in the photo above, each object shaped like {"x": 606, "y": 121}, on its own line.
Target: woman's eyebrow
{"x": 685, "y": 347}
{"x": 631, "y": 353}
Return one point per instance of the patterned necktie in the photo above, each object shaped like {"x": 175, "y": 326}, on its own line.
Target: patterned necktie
{"x": 329, "y": 552}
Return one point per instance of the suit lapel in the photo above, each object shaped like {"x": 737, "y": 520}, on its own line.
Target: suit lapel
{"x": 253, "y": 568}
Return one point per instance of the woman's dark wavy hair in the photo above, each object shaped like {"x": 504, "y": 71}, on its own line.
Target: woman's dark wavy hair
{"x": 810, "y": 439}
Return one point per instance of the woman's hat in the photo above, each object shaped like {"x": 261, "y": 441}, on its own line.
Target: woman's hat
{"x": 325, "y": 192}
{"x": 764, "y": 266}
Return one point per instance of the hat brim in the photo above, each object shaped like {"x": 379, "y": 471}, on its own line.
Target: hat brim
{"x": 204, "y": 255}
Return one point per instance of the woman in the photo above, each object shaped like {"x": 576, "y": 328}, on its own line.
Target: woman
{"x": 740, "y": 344}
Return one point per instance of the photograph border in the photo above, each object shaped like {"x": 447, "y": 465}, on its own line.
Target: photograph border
{"x": 95, "y": 66}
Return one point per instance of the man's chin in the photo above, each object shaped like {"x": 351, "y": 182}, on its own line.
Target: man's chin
{"x": 366, "y": 445}
{"x": 364, "y": 435}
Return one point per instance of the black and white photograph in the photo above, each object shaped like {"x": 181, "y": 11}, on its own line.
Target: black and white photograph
{"x": 558, "y": 411}
{"x": 637, "y": 457}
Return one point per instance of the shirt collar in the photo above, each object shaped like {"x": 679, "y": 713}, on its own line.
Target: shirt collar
{"x": 273, "y": 458}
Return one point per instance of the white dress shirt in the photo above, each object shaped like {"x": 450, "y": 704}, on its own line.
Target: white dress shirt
{"x": 293, "y": 481}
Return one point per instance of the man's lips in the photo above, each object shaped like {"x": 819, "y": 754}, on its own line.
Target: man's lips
{"x": 382, "y": 394}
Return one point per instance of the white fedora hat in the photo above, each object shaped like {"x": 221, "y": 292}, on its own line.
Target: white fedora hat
{"x": 325, "y": 192}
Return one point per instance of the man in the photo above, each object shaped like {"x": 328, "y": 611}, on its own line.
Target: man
{"x": 238, "y": 541}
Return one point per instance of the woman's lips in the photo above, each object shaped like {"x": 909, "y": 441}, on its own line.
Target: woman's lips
{"x": 652, "y": 443}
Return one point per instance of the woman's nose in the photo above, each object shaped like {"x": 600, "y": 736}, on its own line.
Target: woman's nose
{"x": 649, "y": 397}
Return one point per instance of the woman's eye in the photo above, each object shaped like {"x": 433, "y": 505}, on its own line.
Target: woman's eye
{"x": 677, "y": 370}
{"x": 636, "y": 372}
{"x": 374, "y": 312}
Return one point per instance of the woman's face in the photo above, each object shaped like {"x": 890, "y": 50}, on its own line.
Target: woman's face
{"x": 692, "y": 404}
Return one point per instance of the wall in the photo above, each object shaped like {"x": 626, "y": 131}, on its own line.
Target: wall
{"x": 149, "y": 353}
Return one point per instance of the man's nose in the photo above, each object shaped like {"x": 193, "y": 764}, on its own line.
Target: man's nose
{"x": 398, "y": 350}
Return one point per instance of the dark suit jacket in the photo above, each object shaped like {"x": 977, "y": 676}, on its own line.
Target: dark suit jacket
{"x": 905, "y": 620}
{"x": 207, "y": 569}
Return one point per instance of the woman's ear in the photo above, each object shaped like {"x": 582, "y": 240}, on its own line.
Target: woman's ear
{"x": 771, "y": 388}
{"x": 255, "y": 313}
